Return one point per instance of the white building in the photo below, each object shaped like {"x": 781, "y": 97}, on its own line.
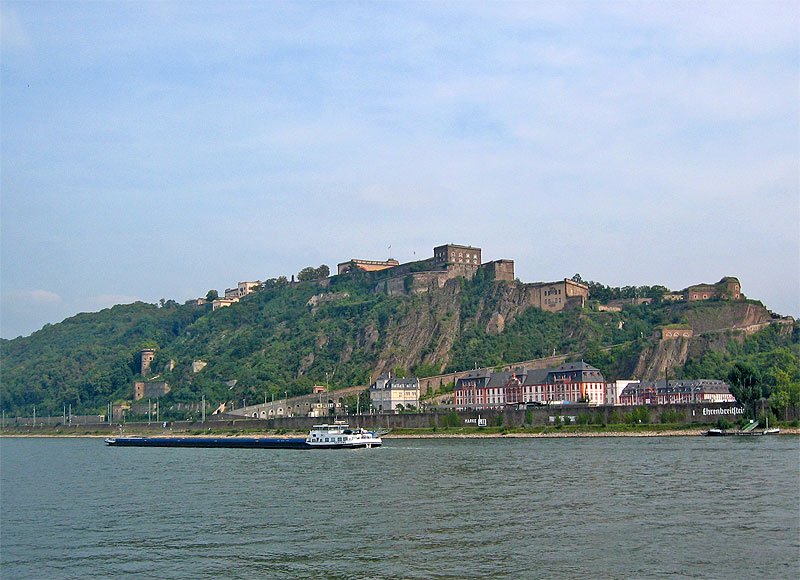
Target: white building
{"x": 387, "y": 393}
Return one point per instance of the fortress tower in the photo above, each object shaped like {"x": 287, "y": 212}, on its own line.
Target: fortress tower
{"x": 147, "y": 355}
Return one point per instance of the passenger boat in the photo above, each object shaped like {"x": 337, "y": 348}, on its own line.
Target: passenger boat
{"x": 339, "y": 435}
{"x": 336, "y": 436}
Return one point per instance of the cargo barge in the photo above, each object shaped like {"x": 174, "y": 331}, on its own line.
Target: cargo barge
{"x": 336, "y": 436}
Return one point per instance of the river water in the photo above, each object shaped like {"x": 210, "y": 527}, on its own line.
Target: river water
{"x": 672, "y": 507}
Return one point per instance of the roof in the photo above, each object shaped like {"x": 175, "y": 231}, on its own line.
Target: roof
{"x": 536, "y": 377}
{"x": 396, "y": 383}
{"x": 683, "y": 386}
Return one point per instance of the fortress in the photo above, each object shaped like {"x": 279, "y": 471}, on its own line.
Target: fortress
{"x": 451, "y": 261}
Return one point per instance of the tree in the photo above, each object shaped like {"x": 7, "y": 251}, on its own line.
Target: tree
{"x": 309, "y": 273}
{"x": 747, "y": 386}
{"x": 212, "y": 295}
{"x": 786, "y": 393}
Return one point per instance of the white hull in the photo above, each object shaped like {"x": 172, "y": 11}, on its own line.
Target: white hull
{"x": 340, "y": 436}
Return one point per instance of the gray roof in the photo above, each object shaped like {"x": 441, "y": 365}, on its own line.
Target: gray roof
{"x": 536, "y": 377}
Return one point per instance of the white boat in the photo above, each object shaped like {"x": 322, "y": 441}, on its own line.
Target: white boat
{"x": 341, "y": 436}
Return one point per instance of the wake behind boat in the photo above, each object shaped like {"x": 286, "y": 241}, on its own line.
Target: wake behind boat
{"x": 336, "y": 436}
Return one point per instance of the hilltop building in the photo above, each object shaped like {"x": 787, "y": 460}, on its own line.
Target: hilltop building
{"x": 366, "y": 265}
{"x": 242, "y": 289}
{"x": 673, "y": 331}
{"x": 556, "y": 296}
{"x": 222, "y": 303}
{"x": 149, "y": 389}
{"x": 729, "y": 288}
{"x": 146, "y": 356}
{"x": 389, "y": 394}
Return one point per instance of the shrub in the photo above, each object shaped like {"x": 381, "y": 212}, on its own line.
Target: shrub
{"x": 638, "y": 415}
{"x": 671, "y": 416}
{"x": 452, "y": 419}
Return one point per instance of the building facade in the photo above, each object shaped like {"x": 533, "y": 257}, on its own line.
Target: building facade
{"x": 672, "y": 332}
{"x": 456, "y": 254}
{"x": 676, "y": 392}
{"x": 146, "y": 357}
{"x": 222, "y": 303}
{"x": 149, "y": 389}
{"x": 569, "y": 383}
{"x": 556, "y": 296}
{"x": 389, "y": 394}
{"x": 366, "y": 265}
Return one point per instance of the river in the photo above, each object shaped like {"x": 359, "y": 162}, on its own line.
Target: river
{"x": 671, "y": 507}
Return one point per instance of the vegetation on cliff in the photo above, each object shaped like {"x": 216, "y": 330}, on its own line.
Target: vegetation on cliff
{"x": 341, "y": 331}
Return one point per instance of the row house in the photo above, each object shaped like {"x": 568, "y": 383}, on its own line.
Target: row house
{"x": 676, "y": 392}
{"x": 569, "y": 383}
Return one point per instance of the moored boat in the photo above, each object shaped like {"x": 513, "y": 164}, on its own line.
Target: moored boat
{"x": 749, "y": 430}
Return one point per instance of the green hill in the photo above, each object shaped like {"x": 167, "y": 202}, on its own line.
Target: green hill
{"x": 288, "y": 337}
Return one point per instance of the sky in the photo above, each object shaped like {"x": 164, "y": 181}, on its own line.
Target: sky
{"x": 155, "y": 150}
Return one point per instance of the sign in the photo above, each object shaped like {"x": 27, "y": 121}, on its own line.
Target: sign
{"x": 480, "y": 422}
{"x": 728, "y": 411}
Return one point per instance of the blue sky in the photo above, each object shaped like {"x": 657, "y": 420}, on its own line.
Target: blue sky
{"x": 158, "y": 150}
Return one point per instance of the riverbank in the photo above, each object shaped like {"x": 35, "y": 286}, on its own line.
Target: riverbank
{"x": 544, "y": 433}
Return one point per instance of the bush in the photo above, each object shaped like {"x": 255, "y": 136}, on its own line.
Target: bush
{"x": 452, "y": 419}
{"x": 723, "y": 423}
{"x": 638, "y": 415}
{"x": 672, "y": 416}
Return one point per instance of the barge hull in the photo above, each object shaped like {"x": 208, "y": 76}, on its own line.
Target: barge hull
{"x": 211, "y": 442}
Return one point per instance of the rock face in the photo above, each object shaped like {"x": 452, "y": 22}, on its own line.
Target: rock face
{"x": 654, "y": 361}
{"x": 713, "y": 325}
{"x": 497, "y": 324}
{"x": 422, "y": 334}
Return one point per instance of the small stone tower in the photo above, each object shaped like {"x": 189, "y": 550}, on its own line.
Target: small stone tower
{"x": 147, "y": 355}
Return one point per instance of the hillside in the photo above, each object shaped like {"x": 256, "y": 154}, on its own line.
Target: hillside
{"x": 287, "y": 337}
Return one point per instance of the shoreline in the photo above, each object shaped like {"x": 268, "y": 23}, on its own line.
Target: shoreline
{"x": 389, "y": 436}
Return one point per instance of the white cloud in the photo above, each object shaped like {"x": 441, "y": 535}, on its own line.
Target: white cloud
{"x": 33, "y": 297}
{"x": 12, "y": 33}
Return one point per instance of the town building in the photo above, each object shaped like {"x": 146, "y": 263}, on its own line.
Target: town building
{"x": 569, "y": 383}
{"x": 676, "y": 392}
{"x": 390, "y": 394}
{"x": 614, "y": 390}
